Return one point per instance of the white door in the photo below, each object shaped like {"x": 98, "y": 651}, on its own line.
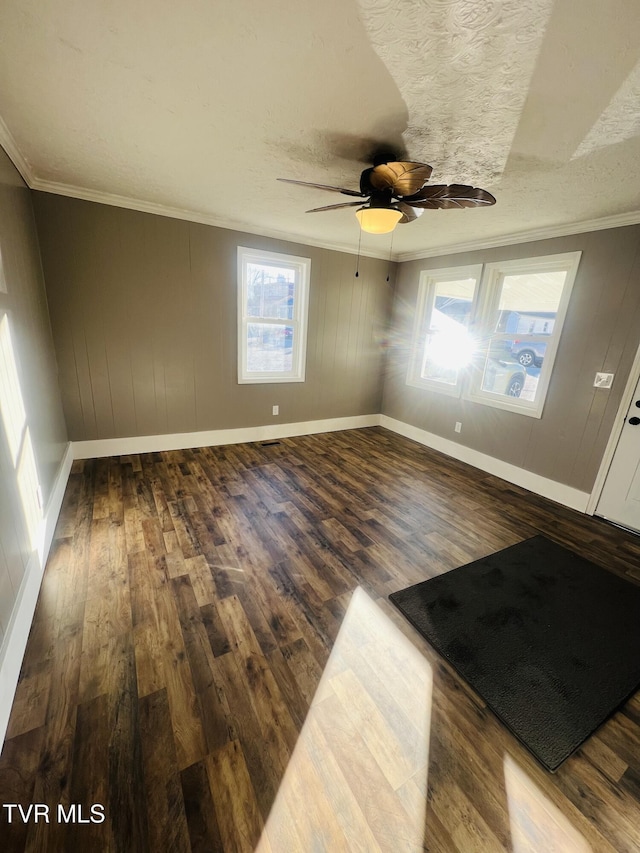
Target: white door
{"x": 620, "y": 498}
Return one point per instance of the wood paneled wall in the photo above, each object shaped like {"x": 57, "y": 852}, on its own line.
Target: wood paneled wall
{"x": 38, "y": 409}
{"x": 601, "y": 333}
{"x": 143, "y": 311}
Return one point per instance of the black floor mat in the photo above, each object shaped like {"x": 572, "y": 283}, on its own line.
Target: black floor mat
{"x": 549, "y": 640}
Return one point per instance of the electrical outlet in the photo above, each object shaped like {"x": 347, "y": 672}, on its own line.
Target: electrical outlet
{"x": 275, "y": 410}
{"x": 458, "y": 426}
{"x": 603, "y": 380}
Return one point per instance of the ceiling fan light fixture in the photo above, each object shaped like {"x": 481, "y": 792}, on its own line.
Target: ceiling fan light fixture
{"x": 378, "y": 220}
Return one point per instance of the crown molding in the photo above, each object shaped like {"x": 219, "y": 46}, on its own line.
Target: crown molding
{"x": 193, "y": 216}
{"x": 15, "y": 155}
{"x": 9, "y": 144}
{"x": 619, "y": 220}
{"x": 23, "y": 166}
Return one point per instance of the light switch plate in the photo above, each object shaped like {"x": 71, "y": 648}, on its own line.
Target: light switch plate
{"x": 603, "y": 380}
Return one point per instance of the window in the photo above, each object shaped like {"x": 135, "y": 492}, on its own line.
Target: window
{"x": 443, "y": 345}
{"x": 3, "y": 281}
{"x": 273, "y": 297}
{"x": 499, "y": 349}
{"x": 520, "y": 318}
{"x": 18, "y": 437}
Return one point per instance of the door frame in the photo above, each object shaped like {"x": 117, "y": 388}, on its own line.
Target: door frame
{"x": 616, "y": 430}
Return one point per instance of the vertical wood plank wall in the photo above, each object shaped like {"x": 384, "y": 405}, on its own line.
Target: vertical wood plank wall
{"x": 143, "y": 311}
{"x": 601, "y": 333}
{"x": 23, "y": 301}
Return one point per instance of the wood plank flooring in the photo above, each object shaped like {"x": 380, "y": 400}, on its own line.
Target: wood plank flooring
{"x": 214, "y": 664}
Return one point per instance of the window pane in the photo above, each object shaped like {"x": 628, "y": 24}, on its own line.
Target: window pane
{"x": 506, "y": 378}
{"x": 3, "y": 280}
{"x": 270, "y": 291}
{"x": 524, "y": 319}
{"x": 448, "y": 345}
{"x": 528, "y": 304}
{"x": 269, "y": 348}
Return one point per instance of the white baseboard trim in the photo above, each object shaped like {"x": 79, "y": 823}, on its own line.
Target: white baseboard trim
{"x": 15, "y": 640}
{"x": 558, "y": 492}
{"x": 14, "y": 645}
{"x": 211, "y": 438}
{"x": 551, "y": 489}
{"x": 54, "y": 504}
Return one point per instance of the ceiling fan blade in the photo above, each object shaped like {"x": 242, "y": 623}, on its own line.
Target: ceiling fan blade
{"x": 335, "y": 206}
{"x": 409, "y": 214}
{"x": 402, "y": 178}
{"x": 443, "y": 196}
{"x": 323, "y": 187}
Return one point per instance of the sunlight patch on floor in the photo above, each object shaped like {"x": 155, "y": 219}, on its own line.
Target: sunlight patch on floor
{"x": 536, "y": 823}
{"x": 356, "y": 776}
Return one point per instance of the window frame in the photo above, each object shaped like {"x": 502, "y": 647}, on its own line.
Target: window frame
{"x": 299, "y": 320}
{"x": 485, "y": 303}
{"x": 429, "y": 281}
{"x": 488, "y": 300}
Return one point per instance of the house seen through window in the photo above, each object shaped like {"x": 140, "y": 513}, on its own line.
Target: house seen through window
{"x": 491, "y": 334}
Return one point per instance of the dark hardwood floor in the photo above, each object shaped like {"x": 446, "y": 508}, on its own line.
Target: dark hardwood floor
{"x": 214, "y": 664}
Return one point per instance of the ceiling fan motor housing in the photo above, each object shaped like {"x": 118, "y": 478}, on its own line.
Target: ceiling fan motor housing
{"x": 365, "y": 184}
{"x": 381, "y": 198}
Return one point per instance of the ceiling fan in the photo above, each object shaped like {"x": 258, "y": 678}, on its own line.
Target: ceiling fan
{"x": 396, "y": 192}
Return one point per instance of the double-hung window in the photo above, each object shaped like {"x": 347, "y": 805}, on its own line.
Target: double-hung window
{"x": 492, "y": 335}
{"x": 273, "y": 299}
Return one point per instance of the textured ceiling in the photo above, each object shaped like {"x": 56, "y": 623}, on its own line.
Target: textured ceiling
{"x": 194, "y": 108}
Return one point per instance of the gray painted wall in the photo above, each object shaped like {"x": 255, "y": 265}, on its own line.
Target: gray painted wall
{"x": 25, "y": 305}
{"x": 143, "y": 311}
{"x": 601, "y": 333}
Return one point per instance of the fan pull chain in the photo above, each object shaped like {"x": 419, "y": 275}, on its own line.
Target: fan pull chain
{"x": 358, "y": 261}
{"x": 390, "y": 253}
